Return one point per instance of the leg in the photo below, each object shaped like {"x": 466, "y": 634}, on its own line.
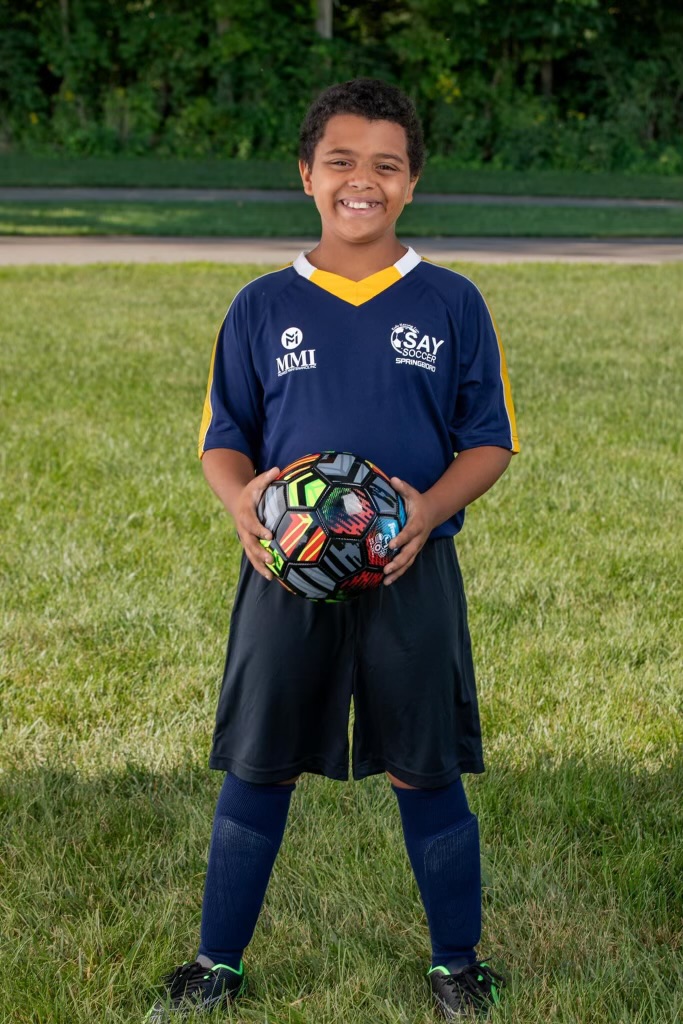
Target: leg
{"x": 397, "y": 782}
{"x": 415, "y": 700}
{"x": 414, "y": 689}
{"x": 247, "y": 832}
{"x": 416, "y": 715}
{"x": 442, "y": 840}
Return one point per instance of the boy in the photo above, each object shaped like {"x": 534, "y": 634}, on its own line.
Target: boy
{"x": 404, "y": 368}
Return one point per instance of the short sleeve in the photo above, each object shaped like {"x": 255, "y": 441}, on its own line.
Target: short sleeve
{"x": 231, "y": 417}
{"x": 484, "y": 413}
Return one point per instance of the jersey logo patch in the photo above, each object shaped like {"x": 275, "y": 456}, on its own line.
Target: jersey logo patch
{"x": 292, "y": 338}
{"x": 304, "y": 360}
{"x": 415, "y": 348}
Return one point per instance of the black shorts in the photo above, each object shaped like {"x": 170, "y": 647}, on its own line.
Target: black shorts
{"x": 401, "y": 652}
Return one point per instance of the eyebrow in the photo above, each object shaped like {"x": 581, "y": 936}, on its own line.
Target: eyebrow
{"x": 351, "y": 152}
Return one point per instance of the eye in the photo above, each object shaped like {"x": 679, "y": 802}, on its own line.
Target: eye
{"x": 387, "y": 167}
{"x": 340, "y": 163}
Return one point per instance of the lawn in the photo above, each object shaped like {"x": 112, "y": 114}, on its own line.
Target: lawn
{"x": 117, "y": 571}
{"x": 439, "y": 176}
{"x": 283, "y": 219}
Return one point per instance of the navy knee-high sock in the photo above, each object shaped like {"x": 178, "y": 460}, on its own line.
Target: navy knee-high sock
{"x": 247, "y": 832}
{"x": 442, "y": 840}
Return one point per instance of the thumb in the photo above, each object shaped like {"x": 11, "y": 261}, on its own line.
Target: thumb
{"x": 401, "y": 486}
{"x": 265, "y": 479}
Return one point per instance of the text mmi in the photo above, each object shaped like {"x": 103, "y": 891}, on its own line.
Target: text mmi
{"x": 304, "y": 360}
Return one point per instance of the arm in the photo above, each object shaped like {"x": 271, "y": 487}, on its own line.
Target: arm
{"x": 469, "y": 476}
{"x": 230, "y": 475}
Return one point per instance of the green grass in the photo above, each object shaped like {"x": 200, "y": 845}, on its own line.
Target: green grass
{"x": 439, "y": 176}
{"x": 277, "y": 220}
{"x": 117, "y": 571}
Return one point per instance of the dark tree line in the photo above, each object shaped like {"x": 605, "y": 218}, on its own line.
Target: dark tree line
{"x": 575, "y": 84}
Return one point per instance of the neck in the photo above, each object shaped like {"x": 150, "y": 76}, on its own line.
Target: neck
{"x": 356, "y": 261}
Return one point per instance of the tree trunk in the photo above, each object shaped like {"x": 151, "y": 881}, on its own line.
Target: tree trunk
{"x": 323, "y": 21}
{"x": 547, "y": 79}
{"x": 64, "y": 18}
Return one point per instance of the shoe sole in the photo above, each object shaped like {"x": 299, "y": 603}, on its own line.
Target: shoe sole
{"x": 168, "y": 1013}
{"x": 467, "y": 1013}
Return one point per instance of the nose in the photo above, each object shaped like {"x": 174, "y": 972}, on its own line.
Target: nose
{"x": 361, "y": 177}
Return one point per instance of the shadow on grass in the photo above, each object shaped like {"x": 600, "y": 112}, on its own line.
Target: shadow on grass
{"x": 102, "y": 878}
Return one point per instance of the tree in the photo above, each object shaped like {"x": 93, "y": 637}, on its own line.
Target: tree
{"x": 324, "y": 19}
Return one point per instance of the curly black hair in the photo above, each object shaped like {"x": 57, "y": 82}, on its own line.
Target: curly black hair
{"x": 370, "y": 98}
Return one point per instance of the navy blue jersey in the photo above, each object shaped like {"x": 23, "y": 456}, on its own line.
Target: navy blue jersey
{"x": 404, "y": 368}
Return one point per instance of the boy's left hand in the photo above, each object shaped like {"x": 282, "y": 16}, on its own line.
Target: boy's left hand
{"x": 412, "y": 537}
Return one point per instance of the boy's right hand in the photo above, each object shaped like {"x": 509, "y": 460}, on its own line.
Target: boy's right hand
{"x": 249, "y": 527}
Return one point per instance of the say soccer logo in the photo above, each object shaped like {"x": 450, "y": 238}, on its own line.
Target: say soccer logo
{"x": 415, "y": 348}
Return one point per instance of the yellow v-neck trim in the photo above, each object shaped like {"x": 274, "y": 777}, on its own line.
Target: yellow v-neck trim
{"x": 357, "y": 292}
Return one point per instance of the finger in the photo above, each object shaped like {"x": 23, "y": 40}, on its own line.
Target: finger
{"x": 401, "y": 486}
{"x": 398, "y": 571}
{"x": 250, "y": 524}
{"x": 409, "y": 531}
{"x": 261, "y": 568}
{"x": 248, "y": 518}
{"x": 256, "y": 488}
{"x": 408, "y": 550}
{"x": 405, "y": 490}
{"x": 263, "y": 480}
{"x": 259, "y": 557}
{"x": 403, "y": 560}
{"x": 402, "y": 538}
{"x": 410, "y": 497}
{"x": 256, "y": 547}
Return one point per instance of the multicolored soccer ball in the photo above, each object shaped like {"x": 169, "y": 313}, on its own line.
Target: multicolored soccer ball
{"x": 332, "y": 516}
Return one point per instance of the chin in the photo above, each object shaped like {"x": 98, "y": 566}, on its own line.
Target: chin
{"x": 363, "y": 232}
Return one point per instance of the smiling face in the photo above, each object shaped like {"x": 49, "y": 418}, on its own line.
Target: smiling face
{"x": 360, "y": 178}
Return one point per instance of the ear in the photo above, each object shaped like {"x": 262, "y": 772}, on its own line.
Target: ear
{"x": 305, "y": 172}
{"x": 411, "y": 189}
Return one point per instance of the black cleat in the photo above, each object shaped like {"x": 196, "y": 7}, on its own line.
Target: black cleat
{"x": 193, "y": 987}
{"x": 474, "y": 988}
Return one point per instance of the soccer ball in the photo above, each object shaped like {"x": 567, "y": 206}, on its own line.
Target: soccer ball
{"x": 332, "y": 516}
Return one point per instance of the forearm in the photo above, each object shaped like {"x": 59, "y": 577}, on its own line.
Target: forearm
{"x": 227, "y": 473}
{"x": 231, "y": 475}
{"x": 469, "y": 476}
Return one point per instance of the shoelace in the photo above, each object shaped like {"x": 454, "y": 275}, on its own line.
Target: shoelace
{"x": 186, "y": 979}
{"x": 476, "y": 979}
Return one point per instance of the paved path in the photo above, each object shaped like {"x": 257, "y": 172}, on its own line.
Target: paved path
{"x": 22, "y": 251}
{"x": 209, "y": 195}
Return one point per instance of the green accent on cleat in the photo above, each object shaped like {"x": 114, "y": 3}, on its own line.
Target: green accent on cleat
{"x": 192, "y": 988}
{"x": 473, "y": 989}
{"x": 234, "y": 970}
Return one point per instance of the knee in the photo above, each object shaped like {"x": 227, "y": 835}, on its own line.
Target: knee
{"x": 397, "y": 782}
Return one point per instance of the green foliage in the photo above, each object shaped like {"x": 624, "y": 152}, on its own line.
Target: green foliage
{"x": 570, "y": 84}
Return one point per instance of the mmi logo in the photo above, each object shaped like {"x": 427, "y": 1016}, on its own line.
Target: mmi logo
{"x": 292, "y": 338}
{"x": 303, "y": 360}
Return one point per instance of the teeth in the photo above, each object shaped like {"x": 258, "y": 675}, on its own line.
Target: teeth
{"x": 358, "y": 206}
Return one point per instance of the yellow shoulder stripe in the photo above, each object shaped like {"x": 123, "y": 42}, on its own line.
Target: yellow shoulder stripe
{"x": 207, "y": 414}
{"x": 507, "y": 391}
